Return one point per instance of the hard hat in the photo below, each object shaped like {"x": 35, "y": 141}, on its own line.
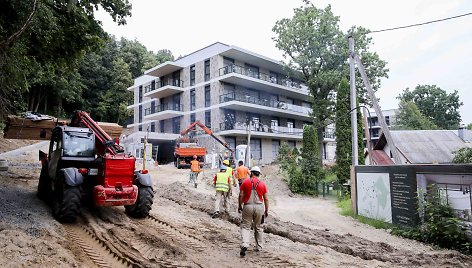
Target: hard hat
{"x": 256, "y": 169}
{"x": 222, "y": 167}
{"x": 194, "y": 157}
{"x": 226, "y": 162}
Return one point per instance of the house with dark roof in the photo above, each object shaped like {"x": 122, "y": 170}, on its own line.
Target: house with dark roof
{"x": 418, "y": 147}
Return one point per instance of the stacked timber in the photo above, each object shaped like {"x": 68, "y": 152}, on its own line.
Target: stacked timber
{"x": 27, "y": 129}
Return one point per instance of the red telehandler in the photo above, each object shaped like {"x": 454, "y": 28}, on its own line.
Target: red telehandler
{"x": 85, "y": 165}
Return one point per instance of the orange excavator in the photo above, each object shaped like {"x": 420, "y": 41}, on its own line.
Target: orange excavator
{"x": 186, "y": 147}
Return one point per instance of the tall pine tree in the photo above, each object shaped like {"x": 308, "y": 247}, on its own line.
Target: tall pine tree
{"x": 343, "y": 133}
{"x": 312, "y": 173}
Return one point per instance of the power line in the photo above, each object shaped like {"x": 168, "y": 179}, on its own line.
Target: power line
{"x": 423, "y": 23}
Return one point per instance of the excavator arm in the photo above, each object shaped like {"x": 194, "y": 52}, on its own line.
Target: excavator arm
{"x": 207, "y": 131}
{"x": 103, "y": 141}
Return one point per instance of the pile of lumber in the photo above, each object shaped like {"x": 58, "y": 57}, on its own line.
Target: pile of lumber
{"x": 27, "y": 129}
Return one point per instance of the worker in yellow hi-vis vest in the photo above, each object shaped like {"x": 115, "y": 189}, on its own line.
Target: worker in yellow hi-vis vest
{"x": 223, "y": 188}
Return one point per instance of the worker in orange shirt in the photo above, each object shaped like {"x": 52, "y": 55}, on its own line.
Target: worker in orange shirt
{"x": 242, "y": 172}
{"x": 194, "y": 170}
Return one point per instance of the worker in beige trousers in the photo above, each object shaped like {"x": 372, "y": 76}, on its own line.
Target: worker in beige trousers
{"x": 254, "y": 205}
{"x": 222, "y": 182}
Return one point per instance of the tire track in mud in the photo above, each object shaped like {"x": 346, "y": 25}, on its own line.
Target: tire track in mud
{"x": 345, "y": 244}
{"x": 94, "y": 248}
{"x": 174, "y": 233}
{"x": 264, "y": 258}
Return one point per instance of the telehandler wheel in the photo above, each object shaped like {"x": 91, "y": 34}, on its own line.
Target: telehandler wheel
{"x": 66, "y": 201}
{"x": 44, "y": 185}
{"x": 143, "y": 204}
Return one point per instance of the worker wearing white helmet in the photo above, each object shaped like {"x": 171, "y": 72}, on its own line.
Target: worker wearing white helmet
{"x": 254, "y": 205}
{"x": 222, "y": 183}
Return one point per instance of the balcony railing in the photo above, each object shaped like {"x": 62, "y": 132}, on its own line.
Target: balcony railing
{"x": 261, "y": 128}
{"x": 164, "y": 107}
{"x": 264, "y": 102}
{"x": 258, "y": 75}
{"x": 163, "y": 83}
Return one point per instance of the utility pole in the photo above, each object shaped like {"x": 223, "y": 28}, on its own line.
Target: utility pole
{"x": 352, "y": 82}
{"x": 378, "y": 111}
{"x": 247, "y": 157}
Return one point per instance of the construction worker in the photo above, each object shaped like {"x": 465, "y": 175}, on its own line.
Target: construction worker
{"x": 222, "y": 182}
{"x": 229, "y": 170}
{"x": 254, "y": 204}
{"x": 242, "y": 172}
{"x": 194, "y": 170}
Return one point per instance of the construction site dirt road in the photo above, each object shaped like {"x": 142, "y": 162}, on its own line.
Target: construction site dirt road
{"x": 300, "y": 231}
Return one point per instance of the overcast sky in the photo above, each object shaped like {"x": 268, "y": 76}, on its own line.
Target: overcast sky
{"x": 436, "y": 54}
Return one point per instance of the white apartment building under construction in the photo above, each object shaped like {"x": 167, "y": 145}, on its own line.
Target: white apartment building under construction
{"x": 224, "y": 87}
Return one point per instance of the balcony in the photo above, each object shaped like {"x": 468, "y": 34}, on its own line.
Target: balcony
{"x": 260, "y": 131}
{"x": 246, "y": 77}
{"x": 247, "y": 103}
{"x": 163, "y": 111}
{"x": 164, "y": 88}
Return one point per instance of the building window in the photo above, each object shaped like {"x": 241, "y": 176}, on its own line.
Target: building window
{"x": 176, "y": 125}
{"x": 207, "y": 96}
{"x": 192, "y": 99}
{"x": 252, "y": 71}
{"x": 387, "y": 120}
{"x": 153, "y": 127}
{"x": 162, "y": 126}
{"x": 274, "y": 77}
{"x": 256, "y": 151}
{"x": 192, "y": 118}
{"x": 192, "y": 75}
{"x": 228, "y": 61}
{"x": 140, "y": 98}
{"x": 207, "y": 70}
{"x": 208, "y": 119}
{"x": 230, "y": 119}
{"x": 176, "y": 79}
{"x": 140, "y": 117}
{"x": 290, "y": 125}
{"x": 292, "y": 144}
{"x": 275, "y": 148}
{"x": 274, "y": 124}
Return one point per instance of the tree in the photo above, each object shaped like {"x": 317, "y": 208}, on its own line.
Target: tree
{"x": 343, "y": 133}
{"x": 47, "y": 38}
{"x": 318, "y": 51}
{"x": 139, "y": 58}
{"x": 409, "y": 117}
{"x": 463, "y": 156}
{"x": 289, "y": 167}
{"x": 435, "y": 104}
{"x": 312, "y": 173}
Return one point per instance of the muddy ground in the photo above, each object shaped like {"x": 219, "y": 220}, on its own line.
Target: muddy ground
{"x": 300, "y": 231}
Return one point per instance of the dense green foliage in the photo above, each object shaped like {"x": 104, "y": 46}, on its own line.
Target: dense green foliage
{"x": 440, "y": 225}
{"x": 315, "y": 47}
{"x": 289, "y": 167}
{"x": 435, "y": 104}
{"x": 463, "y": 156}
{"x": 409, "y": 117}
{"x": 60, "y": 59}
{"x": 343, "y": 133}
{"x": 301, "y": 170}
{"x": 312, "y": 173}
{"x": 41, "y": 43}
{"x": 469, "y": 126}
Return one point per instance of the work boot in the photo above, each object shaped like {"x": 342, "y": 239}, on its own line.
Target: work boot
{"x": 215, "y": 215}
{"x": 243, "y": 251}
